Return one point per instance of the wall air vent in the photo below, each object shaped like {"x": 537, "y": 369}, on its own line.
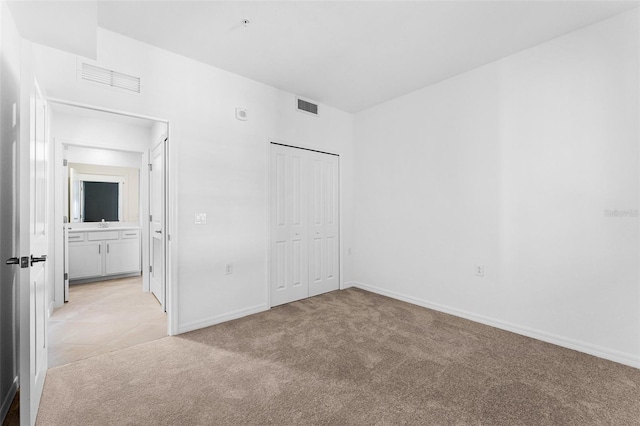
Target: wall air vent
{"x": 306, "y": 106}
{"x": 111, "y": 78}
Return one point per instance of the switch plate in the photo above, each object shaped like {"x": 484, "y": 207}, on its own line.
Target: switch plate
{"x": 201, "y": 219}
{"x": 228, "y": 269}
{"x": 480, "y": 270}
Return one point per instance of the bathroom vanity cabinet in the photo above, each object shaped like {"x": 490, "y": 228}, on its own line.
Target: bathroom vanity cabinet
{"x": 104, "y": 252}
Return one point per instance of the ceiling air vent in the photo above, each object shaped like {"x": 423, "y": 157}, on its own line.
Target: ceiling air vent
{"x": 306, "y": 106}
{"x": 110, "y": 78}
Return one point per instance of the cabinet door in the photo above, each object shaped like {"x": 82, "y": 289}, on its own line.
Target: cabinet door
{"x": 123, "y": 256}
{"x": 85, "y": 260}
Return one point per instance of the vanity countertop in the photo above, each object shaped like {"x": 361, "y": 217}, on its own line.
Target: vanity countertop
{"x": 110, "y": 228}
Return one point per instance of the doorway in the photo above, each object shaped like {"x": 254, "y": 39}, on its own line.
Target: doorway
{"x": 104, "y": 301}
{"x": 304, "y": 223}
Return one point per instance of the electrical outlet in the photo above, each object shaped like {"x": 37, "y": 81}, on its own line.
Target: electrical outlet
{"x": 228, "y": 269}
{"x": 201, "y": 219}
{"x": 480, "y": 270}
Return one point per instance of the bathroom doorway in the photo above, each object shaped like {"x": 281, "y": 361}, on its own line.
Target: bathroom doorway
{"x": 103, "y": 301}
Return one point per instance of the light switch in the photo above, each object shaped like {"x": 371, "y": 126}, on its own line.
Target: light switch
{"x": 201, "y": 219}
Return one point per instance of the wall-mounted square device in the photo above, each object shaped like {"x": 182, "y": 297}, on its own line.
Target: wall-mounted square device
{"x": 241, "y": 114}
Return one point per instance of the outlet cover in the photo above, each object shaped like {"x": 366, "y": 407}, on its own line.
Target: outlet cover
{"x": 201, "y": 219}
{"x": 480, "y": 270}
{"x": 228, "y": 269}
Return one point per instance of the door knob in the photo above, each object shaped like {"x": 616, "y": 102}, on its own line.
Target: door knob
{"x": 42, "y": 258}
{"x": 158, "y": 232}
{"x": 12, "y": 261}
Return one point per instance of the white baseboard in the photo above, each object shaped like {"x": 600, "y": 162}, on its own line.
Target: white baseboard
{"x": 8, "y": 399}
{"x": 348, "y": 284}
{"x": 595, "y": 350}
{"x": 52, "y": 306}
{"x": 207, "y": 322}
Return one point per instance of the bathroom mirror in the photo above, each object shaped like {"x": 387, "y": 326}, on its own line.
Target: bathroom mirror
{"x": 103, "y": 193}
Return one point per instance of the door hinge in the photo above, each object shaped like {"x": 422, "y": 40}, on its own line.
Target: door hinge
{"x": 65, "y": 162}
{"x": 66, "y": 276}
{"x": 150, "y": 218}
{"x": 150, "y": 167}
{"x": 150, "y": 269}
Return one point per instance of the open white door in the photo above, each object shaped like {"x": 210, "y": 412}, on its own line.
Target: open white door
{"x": 33, "y": 239}
{"x": 157, "y": 244}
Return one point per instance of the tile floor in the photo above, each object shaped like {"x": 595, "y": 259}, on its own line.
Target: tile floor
{"x": 102, "y": 317}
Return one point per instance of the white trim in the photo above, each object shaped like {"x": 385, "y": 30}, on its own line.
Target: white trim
{"x": 268, "y": 223}
{"x": 208, "y": 322}
{"x": 8, "y": 399}
{"x": 109, "y": 110}
{"x": 349, "y": 284}
{"x": 171, "y": 270}
{"x": 565, "y": 342}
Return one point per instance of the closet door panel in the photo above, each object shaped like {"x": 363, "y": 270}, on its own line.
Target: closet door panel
{"x": 289, "y": 248}
{"x": 324, "y": 229}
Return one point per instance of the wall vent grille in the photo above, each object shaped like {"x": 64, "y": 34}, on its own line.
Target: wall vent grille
{"x": 110, "y": 78}
{"x": 307, "y": 107}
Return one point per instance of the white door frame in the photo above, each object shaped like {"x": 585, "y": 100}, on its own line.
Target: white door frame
{"x": 269, "y": 142}
{"x": 170, "y": 198}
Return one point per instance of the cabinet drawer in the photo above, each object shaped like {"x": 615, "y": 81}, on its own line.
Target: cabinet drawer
{"x": 106, "y": 235}
{"x": 76, "y": 237}
{"x": 133, "y": 233}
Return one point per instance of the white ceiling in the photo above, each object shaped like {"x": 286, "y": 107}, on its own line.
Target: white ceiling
{"x": 348, "y": 54}
{"x": 66, "y": 25}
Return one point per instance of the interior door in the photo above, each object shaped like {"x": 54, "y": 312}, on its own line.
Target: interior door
{"x": 34, "y": 236}
{"x": 289, "y": 225}
{"x": 9, "y": 228}
{"x": 157, "y": 245}
{"x": 324, "y": 246}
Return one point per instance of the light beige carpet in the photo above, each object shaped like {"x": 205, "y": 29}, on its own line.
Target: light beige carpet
{"x": 346, "y": 357}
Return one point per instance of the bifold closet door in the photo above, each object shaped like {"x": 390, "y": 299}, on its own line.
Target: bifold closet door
{"x": 289, "y": 225}
{"x": 304, "y": 224}
{"x": 323, "y": 224}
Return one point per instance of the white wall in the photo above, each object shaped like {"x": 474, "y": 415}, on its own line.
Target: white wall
{"x": 103, "y": 157}
{"x": 512, "y": 166}
{"x": 220, "y": 164}
{"x": 101, "y": 131}
{"x": 9, "y": 135}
